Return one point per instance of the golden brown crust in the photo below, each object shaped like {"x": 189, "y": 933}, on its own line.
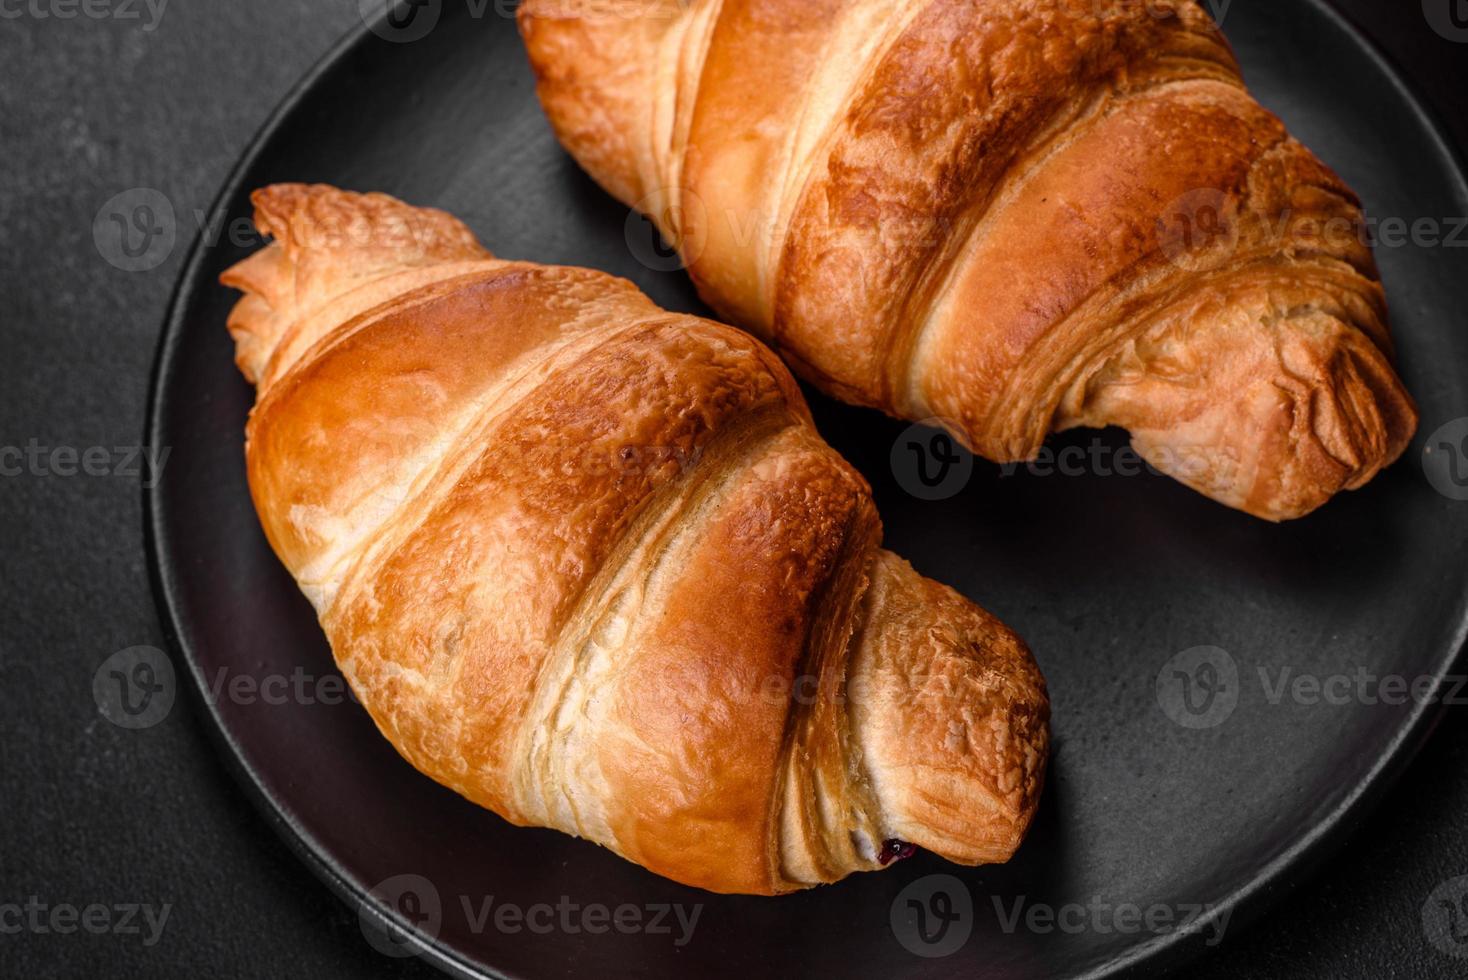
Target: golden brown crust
{"x": 978, "y": 211}
{"x": 576, "y": 555}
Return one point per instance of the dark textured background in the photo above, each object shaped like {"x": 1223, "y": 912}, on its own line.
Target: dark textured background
{"x": 94, "y": 813}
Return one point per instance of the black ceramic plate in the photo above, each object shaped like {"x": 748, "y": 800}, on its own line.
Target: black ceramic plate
{"x": 1156, "y": 807}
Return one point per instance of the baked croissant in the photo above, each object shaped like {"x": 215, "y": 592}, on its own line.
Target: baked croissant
{"x": 1014, "y": 216}
{"x": 587, "y": 562}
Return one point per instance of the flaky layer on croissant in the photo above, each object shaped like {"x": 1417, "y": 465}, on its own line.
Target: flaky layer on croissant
{"x": 588, "y": 563}
{"x": 1014, "y": 216}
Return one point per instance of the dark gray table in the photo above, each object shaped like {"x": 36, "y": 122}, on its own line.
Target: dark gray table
{"x": 116, "y": 97}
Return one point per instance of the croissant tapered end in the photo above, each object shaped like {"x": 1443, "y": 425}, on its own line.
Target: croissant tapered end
{"x": 1272, "y": 422}
{"x": 329, "y": 244}
{"x": 952, "y": 718}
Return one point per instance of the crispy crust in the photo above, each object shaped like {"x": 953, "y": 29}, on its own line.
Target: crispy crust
{"x": 1016, "y": 216}
{"x": 576, "y": 555}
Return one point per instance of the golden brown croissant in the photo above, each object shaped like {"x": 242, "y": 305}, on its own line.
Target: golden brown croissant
{"x": 1017, "y": 216}
{"x": 588, "y": 563}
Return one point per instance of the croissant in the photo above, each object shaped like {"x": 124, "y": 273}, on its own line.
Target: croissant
{"x": 588, "y": 563}
{"x": 1013, "y": 216}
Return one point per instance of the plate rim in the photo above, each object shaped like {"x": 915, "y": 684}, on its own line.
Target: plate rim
{"x": 1296, "y": 865}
